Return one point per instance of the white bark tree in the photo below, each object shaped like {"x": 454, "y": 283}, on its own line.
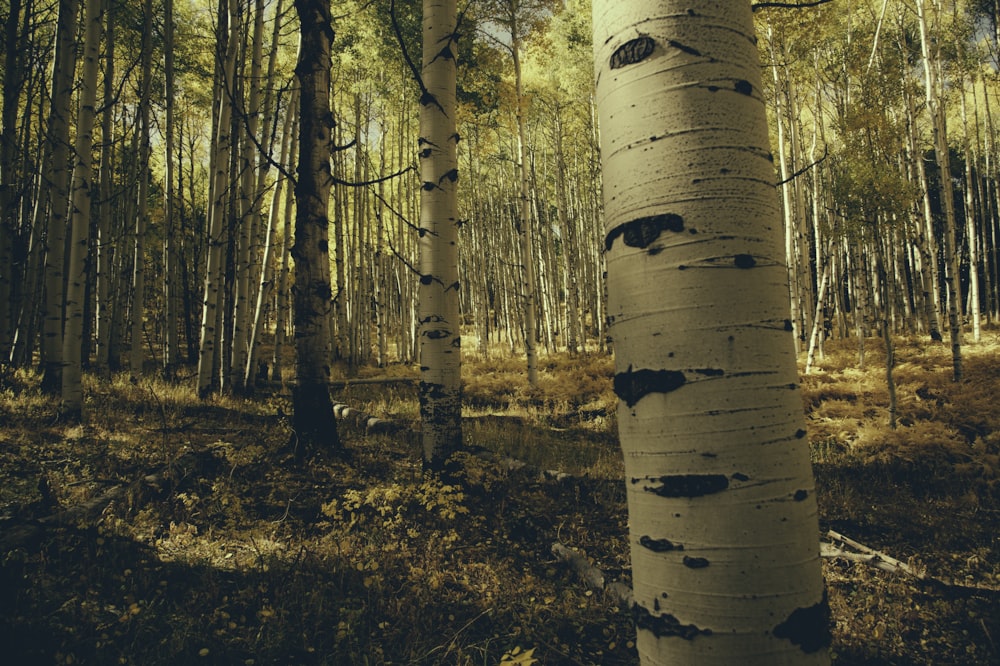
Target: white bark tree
{"x": 136, "y": 354}
{"x": 228, "y": 24}
{"x": 440, "y": 324}
{"x": 72, "y": 385}
{"x": 722, "y": 511}
{"x": 57, "y": 181}
{"x": 935, "y": 108}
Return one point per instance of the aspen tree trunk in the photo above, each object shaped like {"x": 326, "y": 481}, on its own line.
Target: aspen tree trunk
{"x": 722, "y": 510}
{"x": 266, "y": 273}
{"x": 935, "y": 108}
{"x": 992, "y": 195}
{"x": 72, "y": 387}
{"x": 281, "y": 307}
{"x": 814, "y": 335}
{"x": 9, "y": 203}
{"x": 342, "y": 346}
{"x": 526, "y": 236}
{"x": 241, "y": 372}
{"x": 313, "y": 421}
{"x": 171, "y": 291}
{"x": 887, "y": 286}
{"x": 222, "y": 146}
{"x": 787, "y": 193}
{"x": 63, "y": 78}
{"x": 142, "y": 217}
{"x": 971, "y": 235}
{"x": 985, "y": 208}
{"x": 266, "y": 286}
{"x": 439, "y": 316}
{"x": 570, "y": 253}
{"x": 104, "y": 247}
{"x": 928, "y": 251}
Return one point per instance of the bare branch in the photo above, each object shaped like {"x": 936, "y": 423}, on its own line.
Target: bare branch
{"x": 803, "y": 169}
{"x": 788, "y": 5}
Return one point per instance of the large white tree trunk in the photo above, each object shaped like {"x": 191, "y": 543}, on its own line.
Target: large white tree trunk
{"x": 722, "y": 511}
{"x": 440, "y": 324}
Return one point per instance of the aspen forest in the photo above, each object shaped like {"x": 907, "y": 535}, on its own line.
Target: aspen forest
{"x": 500, "y": 332}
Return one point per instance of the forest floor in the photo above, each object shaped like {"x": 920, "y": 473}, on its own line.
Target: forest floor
{"x": 169, "y": 530}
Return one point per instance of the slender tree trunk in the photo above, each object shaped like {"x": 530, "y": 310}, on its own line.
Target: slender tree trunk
{"x": 266, "y": 286}
{"x": 814, "y": 335}
{"x": 171, "y": 277}
{"x": 313, "y": 420}
{"x": 888, "y": 286}
{"x": 72, "y": 387}
{"x": 787, "y": 191}
{"x": 281, "y": 307}
{"x": 935, "y": 107}
{"x": 570, "y": 253}
{"x": 142, "y": 217}
{"x": 63, "y": 79}
{"x": 104, "y": 247}
{"x": 9, "y": 200}
{"x": 722, "y": 509}
{"x": 440, "y": 320}
{"x": 971, "y": 235}
{"x": 526, "y": 233}
{"x": 220, "y": 160}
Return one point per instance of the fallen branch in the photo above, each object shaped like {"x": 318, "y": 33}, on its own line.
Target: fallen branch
{"x": 866, "y": 555}
{"x": 370, "y": 424}
{"x": 593, "y": 577}
{"x": 345, "y": 383}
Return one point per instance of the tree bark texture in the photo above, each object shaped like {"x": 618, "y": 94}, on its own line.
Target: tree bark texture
{"x": 440, "y": 322}
{"x": 73, "y": 339}
{"x": 59, "y": 175}
{"x": 722, "y": 510}
{"x": 313, "y": 419}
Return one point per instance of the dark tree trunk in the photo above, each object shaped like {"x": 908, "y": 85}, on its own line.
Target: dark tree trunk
{"x": 313, "y": 418}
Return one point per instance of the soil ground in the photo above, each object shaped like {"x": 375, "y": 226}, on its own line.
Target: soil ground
{"x": 169, "y": 530}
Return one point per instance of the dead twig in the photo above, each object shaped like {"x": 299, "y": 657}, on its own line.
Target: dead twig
{"x": 848, "y": 549}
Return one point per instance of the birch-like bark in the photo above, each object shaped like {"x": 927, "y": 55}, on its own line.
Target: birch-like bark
{"x": 527, "y": 239}
{"x": 171, "y": 276}
{"x": 59, "y": 174}
{"x": 220, "y": 161}
{"x": 924, "y": 235}
{"x": 935, "y": 108}
{"x": 72, "y": 386}
{"x": 440, "y": 323}
{"x": 971, "y": 234}
{"x": 281, "y": 307}
{"x": 142, "y": 208}
{"x": 722, "y": 509}
{"x": 104, "y": 246}
{"x": 266, "y": 286}
{"x": 313, "y": 420}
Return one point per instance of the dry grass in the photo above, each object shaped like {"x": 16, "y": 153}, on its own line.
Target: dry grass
{"x": 252, "y": 559}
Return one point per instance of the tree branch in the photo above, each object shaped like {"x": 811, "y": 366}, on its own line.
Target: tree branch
{"x": 425, "y": 96}
{"x": 788, "y": 5}
{"x": 805, "y": 168}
